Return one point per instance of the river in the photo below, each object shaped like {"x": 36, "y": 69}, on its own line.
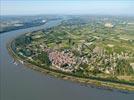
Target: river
{"x": 22, "y": 83}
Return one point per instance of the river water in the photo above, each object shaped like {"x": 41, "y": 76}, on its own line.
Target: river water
{"x": 22, "y": 83}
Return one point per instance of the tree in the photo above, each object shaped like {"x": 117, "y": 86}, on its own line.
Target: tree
{"x": 44, "y": 58}
{"x": 123, "y": 67}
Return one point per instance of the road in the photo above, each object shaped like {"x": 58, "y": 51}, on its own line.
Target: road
{"x": 18, "y": 82}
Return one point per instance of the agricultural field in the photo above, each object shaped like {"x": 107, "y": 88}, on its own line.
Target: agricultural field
{"x": 85, "y": 46}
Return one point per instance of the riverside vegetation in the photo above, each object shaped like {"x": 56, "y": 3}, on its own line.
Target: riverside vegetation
{"x": 91, "y": 47}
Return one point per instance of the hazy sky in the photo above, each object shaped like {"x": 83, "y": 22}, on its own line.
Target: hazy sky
{"x": 28, "y": 7}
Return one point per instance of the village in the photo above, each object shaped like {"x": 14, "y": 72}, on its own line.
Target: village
{"x": 80, "y": 50}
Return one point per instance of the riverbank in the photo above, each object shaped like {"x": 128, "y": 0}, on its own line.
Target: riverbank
{"x": 84, "y": 81}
